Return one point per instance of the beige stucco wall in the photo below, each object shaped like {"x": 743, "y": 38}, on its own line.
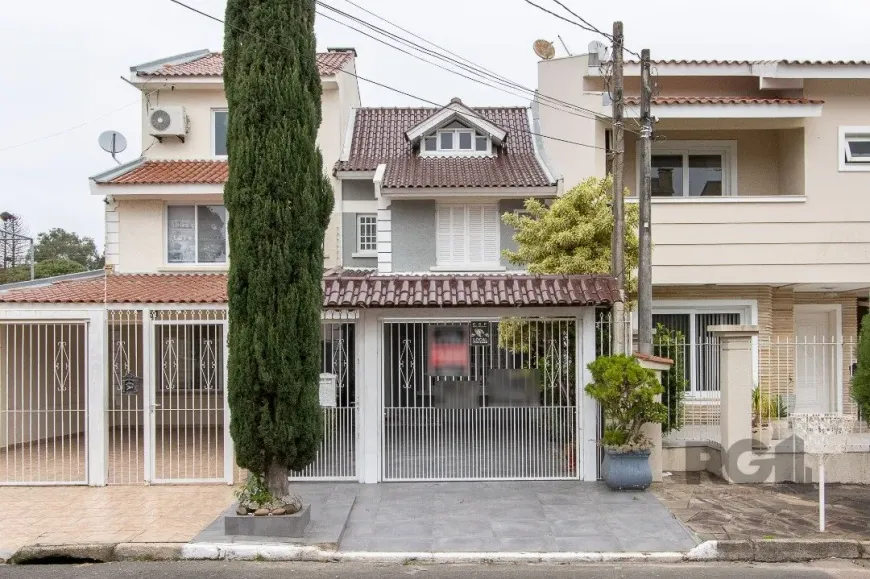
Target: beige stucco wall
{"x": 135, "y": 228}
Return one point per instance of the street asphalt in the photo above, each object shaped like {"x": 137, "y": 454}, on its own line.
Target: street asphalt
{"x": 264, "y": 570}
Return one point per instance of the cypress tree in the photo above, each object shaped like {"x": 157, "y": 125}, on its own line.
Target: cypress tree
{"x": 861, "y": 379}
{"x": 279, "y": 202}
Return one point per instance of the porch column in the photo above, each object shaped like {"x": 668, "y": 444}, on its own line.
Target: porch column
{"x": 736, "y": 382}
{"x": 588, "y": 407}
{"x": 98, "y": 444}
{"x": 369, "y": 399}
{"x": 651, "y": 430}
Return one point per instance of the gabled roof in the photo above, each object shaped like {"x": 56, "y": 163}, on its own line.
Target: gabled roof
{"x": 379, "y": 136}
{"x": 340, "y": 290}
{"x": 166, "y": 172}
{"x": 452, "y": 111}
{"x": 204, "y": 63}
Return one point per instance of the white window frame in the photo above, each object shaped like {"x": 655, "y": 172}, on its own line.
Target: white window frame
{"x": 212, "y": 120}
{"x": 852, "y": 133}
{"x": 181, "y": 264}
{"x": 728, "y": 150}
{"x": 360, "y": 252}
{"x": 748, "y": 311}
{"x": 468, "y": 265}
{"x": 456, "y": 151}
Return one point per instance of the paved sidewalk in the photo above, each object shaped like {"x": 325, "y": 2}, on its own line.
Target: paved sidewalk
{"x": 131, "y": 514}
{"x": 714, "y": 509}
{"x": 509, "y": 517}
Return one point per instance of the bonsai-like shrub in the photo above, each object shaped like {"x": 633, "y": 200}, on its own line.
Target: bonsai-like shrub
{"x": 626, "y": 392}
{"x": 861, "y": 379}
{"x": 672, "y": 344}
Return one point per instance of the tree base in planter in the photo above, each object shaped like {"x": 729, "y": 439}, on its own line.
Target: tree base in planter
{"x": 627, "y": 471}
{"x": 292, "y": 526}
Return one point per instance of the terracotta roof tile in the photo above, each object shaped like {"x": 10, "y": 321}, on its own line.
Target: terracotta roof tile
{"x": 751, "y": 62}
{"x": 341, "y": 290}
{"x": 212, "y": 64}
{"x": 161, "y": 172}
{"x": 700, "y": 100}
{"x": 379, "y": 137}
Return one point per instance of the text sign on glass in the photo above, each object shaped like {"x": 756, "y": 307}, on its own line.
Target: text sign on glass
{"x": 448, "y": 351}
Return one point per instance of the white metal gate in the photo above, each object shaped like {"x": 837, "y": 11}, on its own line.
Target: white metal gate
{"x": 125, "y": 417}
{"x": 43, "y": 403}
{"x": 336, "y": 459}
{"x": 189, "y": 439}
{"x": 479, "y": 399}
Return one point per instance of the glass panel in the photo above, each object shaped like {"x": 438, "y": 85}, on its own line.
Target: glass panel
{"x": 446, "y": 141}
{"x": 430, "y": 144}
{"x": 212, "y": 233}
{"x": 705, "y": 175}
{"x": 667, "y": 175}
{"x": 180, "y": 233}
{"x": 860, "y": 150}
{"x": 220, "y": 132}
{"x": 368, "y": 237}
{"x": 465, "y": 141}
{"x": 480, "y": 143}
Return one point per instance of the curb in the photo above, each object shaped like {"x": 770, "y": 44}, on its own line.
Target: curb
{"x": 780, "y": 550}
{"x": 97, "y": 552}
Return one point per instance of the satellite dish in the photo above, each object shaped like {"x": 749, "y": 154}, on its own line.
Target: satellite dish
{"x": 113, "y": 143}
{"x": 544, "y": 49}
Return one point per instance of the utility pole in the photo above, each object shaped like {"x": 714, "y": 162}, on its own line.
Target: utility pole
{"x": 617, "y": 259}
{"x": 644, "y": 274}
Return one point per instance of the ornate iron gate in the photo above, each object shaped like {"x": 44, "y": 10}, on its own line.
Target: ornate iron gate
{"x": 479, "y": 400}
{"x": 43, "y": 403}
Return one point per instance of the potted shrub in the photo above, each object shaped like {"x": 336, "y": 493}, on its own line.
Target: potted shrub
{"x": 626, "y": 392}
{"x": 764, "y": 408}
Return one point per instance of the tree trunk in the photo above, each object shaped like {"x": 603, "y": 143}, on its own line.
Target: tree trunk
{"x": 277, "y": 480}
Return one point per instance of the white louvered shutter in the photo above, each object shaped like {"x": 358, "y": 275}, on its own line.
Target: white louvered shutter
{"x": 458, "y": 233}
{"x": 476, "y": 234}
{"x": 490, "y": 234}
{"x": 443, "y": 237}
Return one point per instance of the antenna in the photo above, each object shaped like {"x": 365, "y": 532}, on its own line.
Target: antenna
{"x": 565, "y": 46}
{"x": 544, "y": 49}
{"x": 113, "y": 143}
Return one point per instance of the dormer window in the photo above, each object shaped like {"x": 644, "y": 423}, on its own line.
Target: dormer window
{"x": 457, "y": 141}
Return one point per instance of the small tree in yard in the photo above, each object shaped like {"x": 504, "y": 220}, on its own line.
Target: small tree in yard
{"x": 861, "y": 379}
{"x": 279, "y": 202}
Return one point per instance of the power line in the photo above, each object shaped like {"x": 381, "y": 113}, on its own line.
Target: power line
{"x": 374, "y": 82}
{"x": 474, "y": 68}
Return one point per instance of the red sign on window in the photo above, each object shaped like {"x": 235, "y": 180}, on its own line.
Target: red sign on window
{"x": 449, "y": 351}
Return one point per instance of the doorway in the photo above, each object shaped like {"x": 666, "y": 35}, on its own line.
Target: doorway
{"x": 817, "y": 356}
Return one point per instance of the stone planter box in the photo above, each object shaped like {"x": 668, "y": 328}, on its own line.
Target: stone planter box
{"x": 292, "y": 526}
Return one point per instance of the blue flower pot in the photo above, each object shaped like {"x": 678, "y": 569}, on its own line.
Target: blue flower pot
{"x": 627, "y": 471}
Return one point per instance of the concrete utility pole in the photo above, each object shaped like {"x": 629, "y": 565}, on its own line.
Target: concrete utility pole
{"x": 617, "y": 259}
{"x": 644, "y": 274}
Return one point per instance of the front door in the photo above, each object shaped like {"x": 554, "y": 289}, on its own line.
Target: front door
{"x": 815, "y": 359}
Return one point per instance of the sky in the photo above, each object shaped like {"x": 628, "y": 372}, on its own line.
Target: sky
{"x": 61, "y": 63}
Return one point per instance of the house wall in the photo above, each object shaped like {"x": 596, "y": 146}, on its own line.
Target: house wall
{"x": 32, "y": 405}
{"x": 413, "y": 234}
{"x": 357, "y": 197}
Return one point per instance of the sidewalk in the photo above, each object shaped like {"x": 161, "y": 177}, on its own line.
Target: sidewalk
{"x": 128, "y": 514}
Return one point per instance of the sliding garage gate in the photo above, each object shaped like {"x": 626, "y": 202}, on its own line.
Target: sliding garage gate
{"x": 479, "y": 400}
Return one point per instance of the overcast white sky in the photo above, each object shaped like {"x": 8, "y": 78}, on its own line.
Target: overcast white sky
{"x": 60, "y": 64}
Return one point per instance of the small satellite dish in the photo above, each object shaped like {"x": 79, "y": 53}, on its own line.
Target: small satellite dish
{"x": 544, "y": 49}
{"x": 113, "y": 143}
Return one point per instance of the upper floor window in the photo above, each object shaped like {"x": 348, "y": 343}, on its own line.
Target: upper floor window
{"x": 467, "y": 235}
{"x": 694, "y": 169}
{"x": 854, "y": 148}
{"x": 196, "y": 234}
{"x": 457, "y": 139}
{"x": 219, "y": 132}
{"x": 367, "y": 233}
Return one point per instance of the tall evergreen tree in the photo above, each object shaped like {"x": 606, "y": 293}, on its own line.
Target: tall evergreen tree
{"x": 279, "y": 202}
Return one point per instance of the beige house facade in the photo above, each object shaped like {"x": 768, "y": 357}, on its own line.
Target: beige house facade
{"x": 759, "y": 209}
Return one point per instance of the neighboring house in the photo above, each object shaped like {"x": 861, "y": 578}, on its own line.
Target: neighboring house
{"x": 118, "y": 377}
{"x": 760, "y": 175}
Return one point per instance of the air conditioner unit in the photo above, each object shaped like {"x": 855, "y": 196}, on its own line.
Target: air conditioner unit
{"x": 168, "y": 122}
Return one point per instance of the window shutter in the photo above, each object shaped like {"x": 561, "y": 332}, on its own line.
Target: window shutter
{"x": 458, "y": 234}
{"x": 443, "y": 239}
{"x": 490, "y": 234}
{"x": 476, "y": 233}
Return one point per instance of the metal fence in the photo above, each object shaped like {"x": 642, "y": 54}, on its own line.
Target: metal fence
{"x": 43, "y": 403}
{"x": 479, "y": 399}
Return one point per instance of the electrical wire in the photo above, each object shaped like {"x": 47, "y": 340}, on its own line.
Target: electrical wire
{"x": 374, "y": 82}
{"x": 594, "y": 28}
{"x": 471, "y": 66}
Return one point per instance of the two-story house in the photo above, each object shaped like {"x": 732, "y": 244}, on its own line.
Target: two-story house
{"x": 440, "y": 361}
{"x": 760, "y": 214}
